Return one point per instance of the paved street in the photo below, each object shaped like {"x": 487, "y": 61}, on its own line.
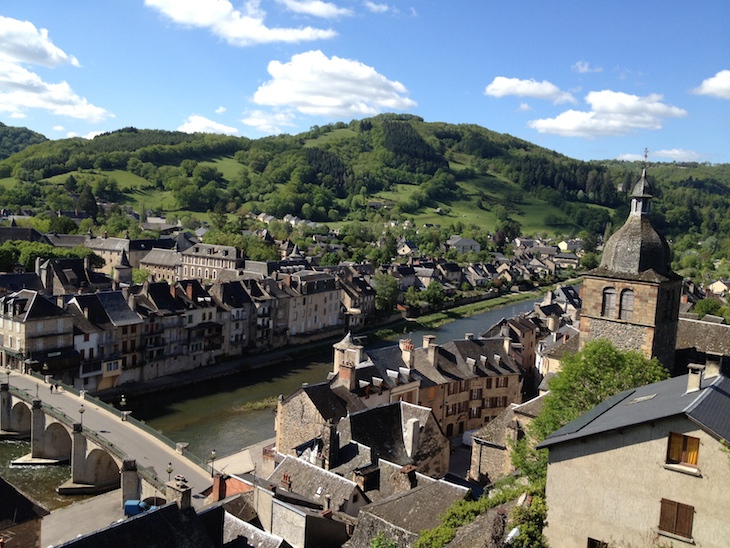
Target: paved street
{"x": 148, "y": 451}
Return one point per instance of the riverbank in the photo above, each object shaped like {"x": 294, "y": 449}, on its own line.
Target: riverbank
{"x": 289, "y": 354}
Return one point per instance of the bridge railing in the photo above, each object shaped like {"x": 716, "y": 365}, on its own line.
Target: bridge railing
{"x": 136, "y": 422}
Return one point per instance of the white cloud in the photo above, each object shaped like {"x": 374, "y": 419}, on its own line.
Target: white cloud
{"x": 58, "y": 128}
{"x": 315, "y": 84}
{"x": 524, "y": 107}
{"x": 502, "y": 86}
{"x": 717, "y": 86}
{"x": 678, "y": 155}
{"x": 201, "y": 124}
{"x": 376, "y": 8}
{"x": 220, "y": 110}
{"x": 22, "y": 42}
{"x": 269, "y": 122}
{"x": 317, "y": 8}
{"x": 21, "y": 89}
{"x": 612, "y": 113}
{"x": 584, "y": 67}
{"x": 629, "y": 157}
{"x": 238, "y": 28}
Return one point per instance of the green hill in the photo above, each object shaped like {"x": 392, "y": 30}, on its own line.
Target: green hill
{"x": 386, "y": 167}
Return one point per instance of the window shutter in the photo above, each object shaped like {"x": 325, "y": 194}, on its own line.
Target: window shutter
{"x": 667, "y": 516}
{"x": 674, "y": 453}
{"x": 685, "y": 515}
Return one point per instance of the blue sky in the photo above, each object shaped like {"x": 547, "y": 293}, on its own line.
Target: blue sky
{"x": 592, "y": 80}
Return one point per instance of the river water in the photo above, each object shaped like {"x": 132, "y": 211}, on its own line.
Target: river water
{"x": 225, "y": 414}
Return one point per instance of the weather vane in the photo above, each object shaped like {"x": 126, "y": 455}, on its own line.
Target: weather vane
{"x": 646, "y": 157}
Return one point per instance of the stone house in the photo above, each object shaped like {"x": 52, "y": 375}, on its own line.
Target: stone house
{"x": 232, "y": 297}
{"x": 163, "y": 265}
{"x": 315, "y": 302}
{"x": 309, "y": 413}
{"x": 120, "y": 327}
{"x": 110, "y": 249}
{"x": 719, "y": 287}
{"x": 37, "y": 334}
{"x": 206, "y": 262}
{"x": 70, "y": 276}
{"x": 655, "y": 460}
{"x": 463, "y": 245}
{"x": 491, "y": 453}
{"x": 357, "y": 298}
{"x": 203, "y": 328}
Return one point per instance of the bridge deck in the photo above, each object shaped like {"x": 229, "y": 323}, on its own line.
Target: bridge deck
{"x": 149, "y": 452}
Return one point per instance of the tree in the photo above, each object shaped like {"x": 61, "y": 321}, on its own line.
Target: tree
{"x": 706, "y": 306}
{"x": 590, "y": 376}
{"x": 434, "y": 295}
{"x": 386, "y": 292}
{"x": 87, "y": 202}
{"x": 586, "y": 379}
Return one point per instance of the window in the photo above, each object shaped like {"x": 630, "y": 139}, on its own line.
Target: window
{"x": 502, "y": 382}
{"x": 475, "y": 412}
{"x": 86, "y": 337}
{"x": 593, "y": 543}
{"x": 489, "y": 384}
{"x": 475, "y": 394}
{"x": 626, "y": 310}
{"x": 608, "y": 306}
{"x": 682, "y": 449}
{"x": 676, "y": 518}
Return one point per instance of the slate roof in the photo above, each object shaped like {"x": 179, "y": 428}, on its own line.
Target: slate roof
{"x": 108, "y": 309}
{"x": 333, "y": 403}
{"x": 167, "y": 526}
{"x": 8, "y": 233}
{"x": 709, "y": 407}
{"x": 315, "y": 483}
{"x": 708, "y": 337}
{"x": 230, "y": 295}
{"x": 18, "y": 282}
{"x": 162, "y": 257}
{"x": 30, "y": 305}
{"x": 419, "y": 508}
{"x": 66, "y": 240}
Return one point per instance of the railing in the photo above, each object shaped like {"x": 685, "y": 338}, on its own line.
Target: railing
{"x": 113, "y": 410}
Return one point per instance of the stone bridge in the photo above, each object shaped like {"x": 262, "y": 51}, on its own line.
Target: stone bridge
{"x": 106, "y": 449}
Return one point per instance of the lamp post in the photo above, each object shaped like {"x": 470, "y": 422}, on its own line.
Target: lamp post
{"x": 212, "y": 462}
{"x": 169, "y": 470}
{"x": 7, "y": 372}
{"x": 81, "y": 415}
{"x": 123, "y": 406}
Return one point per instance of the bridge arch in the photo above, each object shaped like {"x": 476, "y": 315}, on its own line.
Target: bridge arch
{"x": 57, "y": 442}
{"x": 20, "y": 418}
{"x": 103, "y": 469}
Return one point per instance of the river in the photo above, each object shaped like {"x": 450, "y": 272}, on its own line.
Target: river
{"x": 226, "y": 414}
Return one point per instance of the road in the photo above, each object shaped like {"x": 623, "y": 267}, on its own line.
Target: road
{"x": 148, "y": 451}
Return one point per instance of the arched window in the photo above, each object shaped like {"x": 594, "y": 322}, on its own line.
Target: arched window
{"x": 608, "y": 306}
{"x": 626, "y": 310}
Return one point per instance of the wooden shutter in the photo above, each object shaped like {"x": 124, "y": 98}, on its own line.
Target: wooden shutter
{"x": 685, "y": 515}
{"x": 674, "y": 452}
{"x": 668, "y": 516}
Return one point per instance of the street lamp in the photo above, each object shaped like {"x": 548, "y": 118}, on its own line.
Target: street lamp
{"x": 81, "y": 415}
{"x": 123, "y": 405}
{"x": 169, "y": 470}
{"x": 212, "y": 462}
{"x": 7, "y": 372}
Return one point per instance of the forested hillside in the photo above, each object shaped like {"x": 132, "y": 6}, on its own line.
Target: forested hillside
{"x": 15, "y": 139}
{"x": 386, "y": 167}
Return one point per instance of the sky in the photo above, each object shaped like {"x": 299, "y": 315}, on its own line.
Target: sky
{"x": 591, "y": 80}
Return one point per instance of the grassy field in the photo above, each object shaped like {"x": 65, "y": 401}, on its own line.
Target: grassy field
{"x": 334, "y": 135}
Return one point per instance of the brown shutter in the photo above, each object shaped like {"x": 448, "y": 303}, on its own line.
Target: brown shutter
{"x": 668, "y": 516}
{"x": 685, "y": 515}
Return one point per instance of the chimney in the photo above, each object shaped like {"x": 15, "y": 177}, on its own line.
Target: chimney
{"x": 330, "y": 445}
{"x": 286, "y": 481}
{"x": 712, "y": 366}
{"x": 406, "y": 348}
{"x": 189, "y": 290}
{"x": 507, "y": 345}
{"x": 553, "y": 323}
{"x": 86, "y": 312}
{"x": 694, "y": 377}
{"x": 432, "y": 353}
{"x": 219, "y": 487}
{"x": 469, "y": 336}
{"x": 348, "y": 375}
{"x": 428, "y": 340}
{"x": 172, "y": 290}
{"x": 87, "y": 263}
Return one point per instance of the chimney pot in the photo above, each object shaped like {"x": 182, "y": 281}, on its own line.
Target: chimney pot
{"x": 694, "y": 377}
